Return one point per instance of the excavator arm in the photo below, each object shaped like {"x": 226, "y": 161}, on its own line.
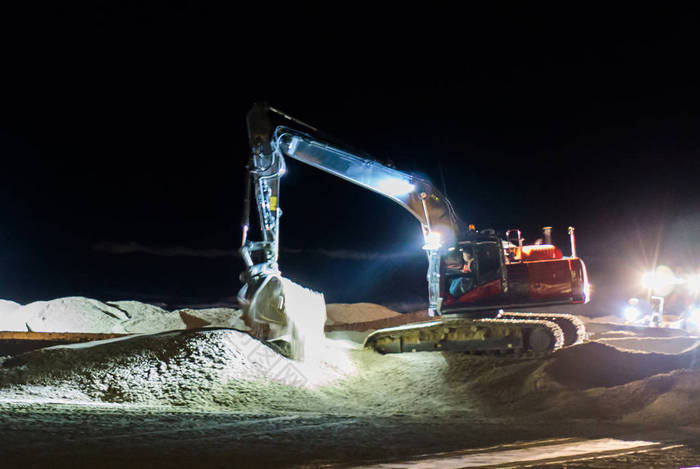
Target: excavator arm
{"x": 270, "y": 144}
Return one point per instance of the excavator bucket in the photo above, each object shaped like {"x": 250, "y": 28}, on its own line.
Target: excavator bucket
{"x": 286, "y": 315}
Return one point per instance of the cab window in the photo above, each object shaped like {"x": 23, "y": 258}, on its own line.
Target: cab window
{"x": 489, "y": 262}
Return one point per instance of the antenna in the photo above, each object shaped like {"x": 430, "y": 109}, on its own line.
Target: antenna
{"x": 442, "y": 177}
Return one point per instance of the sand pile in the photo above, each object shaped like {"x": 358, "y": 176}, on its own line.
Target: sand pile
{"x": 345, "y": 313}
{"x": 594, "y": 380}
{"x": 652, "y": 344}
{"x": 217, "y": 368}
{"x": 6, "y": 306}
{"x": 204, "y": 368}
{"x": 78, "y": 314}
{"x": 9, "y": 318}
{"x": 594, "y": 364}
{"x": 638, "y": 338}
{"x": 228, "y": 369}
{"x": 663, "y": 399}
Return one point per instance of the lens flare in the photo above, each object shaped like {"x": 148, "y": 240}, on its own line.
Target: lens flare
{"x": 433, "y": 241}
{"x": 661, "y": 281}
{"x": 693, "y": 284}
{"x": 694, "y": 316}
{"x": 631, "y": 313}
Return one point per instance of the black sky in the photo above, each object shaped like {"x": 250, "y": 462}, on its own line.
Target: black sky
{"x": 123, "y": 140}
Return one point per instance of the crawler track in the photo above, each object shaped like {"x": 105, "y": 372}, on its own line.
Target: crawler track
{"x": 494, "y": 336}
{"x": 572, "y": 327}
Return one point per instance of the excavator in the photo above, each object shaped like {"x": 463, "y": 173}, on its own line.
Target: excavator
{"x": 473, "y": 276}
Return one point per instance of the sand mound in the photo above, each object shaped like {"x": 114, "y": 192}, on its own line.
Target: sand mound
{"x": 72, "y": 314}
{"x": 6, "y": 306}
{"x": 590, "y": 380}
{"x": 196, "y": 368}
{"x": 218, "y": 368}
{"x": 598, "y": 330}
{"x": 594, "y": 380}
{"x": 594, "y": 364}
{"x": 219, "y": 317}
{"x": 228, "y": 369}
{"x": 78, "y": 314}
{"x": 675, "y": 401}
{"x": 345, "y": 313}
{"x": 10, "y": 318}
{"x": 144, "y": 318}
{"x": 663, "y": 399}
{"x": 651, "y": 344}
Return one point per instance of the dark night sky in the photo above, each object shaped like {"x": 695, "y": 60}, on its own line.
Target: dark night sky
{"x": 123, "y": 142}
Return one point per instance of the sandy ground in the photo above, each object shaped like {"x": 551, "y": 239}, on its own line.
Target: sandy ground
{"x": 219, "y": 398}
{"x": 124, "y": 436}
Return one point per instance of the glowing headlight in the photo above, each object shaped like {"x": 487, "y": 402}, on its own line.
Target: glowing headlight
{"x": 433, "y": 241}
{"x": 395, "y": 186}
{"x": 631, "y": 313}
{"x": 648, "y": 280}
{"x": 661, "y": 281}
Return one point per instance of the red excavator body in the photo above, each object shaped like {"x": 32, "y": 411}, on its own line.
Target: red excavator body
{"x": 485, "y": 273}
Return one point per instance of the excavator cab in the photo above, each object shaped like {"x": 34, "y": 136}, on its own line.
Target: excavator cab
{"x": 483, "y": 273}
{"x": 472, "y": 274}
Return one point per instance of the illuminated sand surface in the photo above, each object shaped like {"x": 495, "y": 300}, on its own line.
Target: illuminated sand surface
{"x": 345, "y": 313}
{"x": 79, "y": 314}
{"x": 547, "y": 451}
{"x": 228, "y": 369}
{"x": 170, "y": 397}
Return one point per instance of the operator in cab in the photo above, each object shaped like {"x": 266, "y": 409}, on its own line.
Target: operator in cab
{"x": 465, "y": 282}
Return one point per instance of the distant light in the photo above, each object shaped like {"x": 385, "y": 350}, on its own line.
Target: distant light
{"x": 433, "y": 241}
{"x": 693, "y": 284}
{"x": 661, "y": 281}
{"x": 694, "y": 317}
{"x": 631, "y": 313}
{"x": 395, "y": 186}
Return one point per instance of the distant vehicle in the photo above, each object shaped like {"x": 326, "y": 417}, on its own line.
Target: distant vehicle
{"x": 673, "y": 300}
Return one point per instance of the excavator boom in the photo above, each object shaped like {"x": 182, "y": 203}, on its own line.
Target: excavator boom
{"x": 415, "y": 194}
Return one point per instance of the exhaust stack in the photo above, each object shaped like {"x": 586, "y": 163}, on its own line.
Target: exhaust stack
{"x": 573, "y": 241}
{"x": 547, "y": 232}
